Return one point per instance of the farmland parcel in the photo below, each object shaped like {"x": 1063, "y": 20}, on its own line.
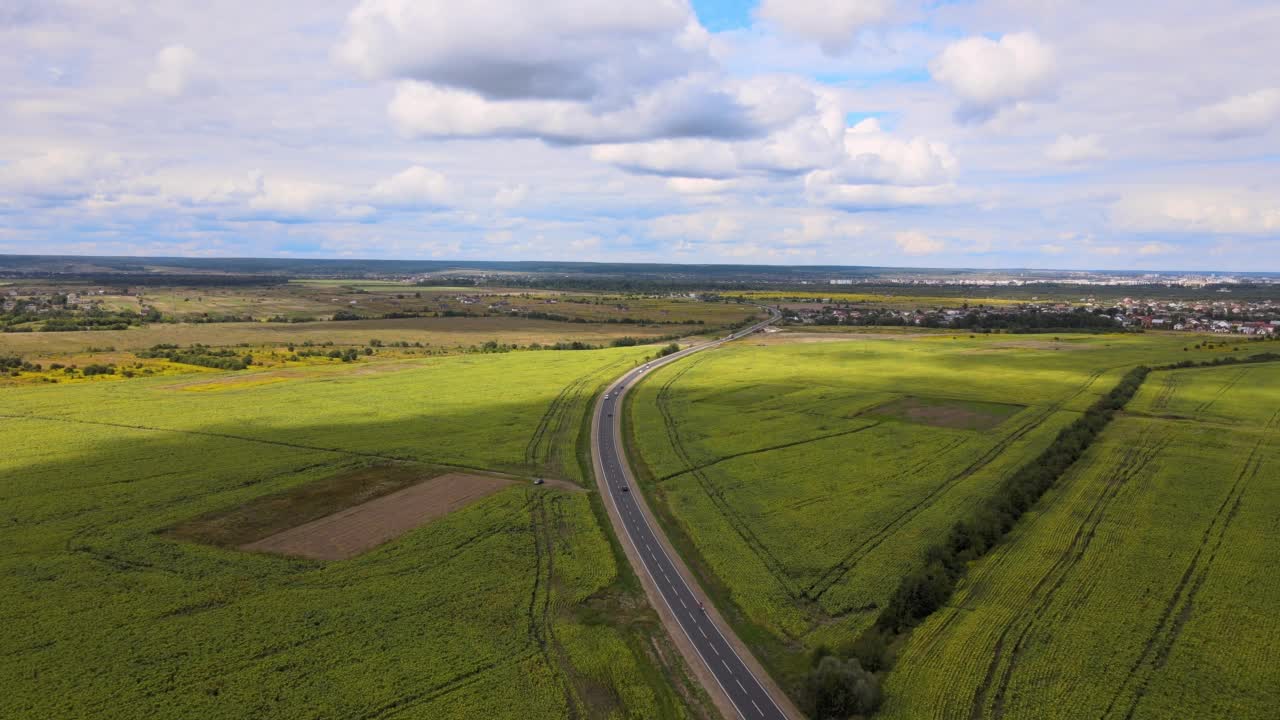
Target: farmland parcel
{"x": 804, "y": 480}
{"x": 511, "y": 606}
{"x": 1143, "y": 586}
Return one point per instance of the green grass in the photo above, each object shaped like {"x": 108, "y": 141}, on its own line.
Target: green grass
{"x": 437, "y": 333}
{"x": 503, "y": 609}
{"x": 801, "y": 506}
{"x": 1142, "y": 586}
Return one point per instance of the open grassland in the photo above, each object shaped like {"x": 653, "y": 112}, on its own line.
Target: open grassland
{"x": 804, "y": 480}
{"x": 321, "y": 299}
{"x": 1142, "y": 586}
{"x": 510, "y": 607}
{"x": 441, "y": 333}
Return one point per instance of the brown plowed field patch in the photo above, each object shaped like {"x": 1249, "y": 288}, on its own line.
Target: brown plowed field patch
{"x": 357, "y": 529}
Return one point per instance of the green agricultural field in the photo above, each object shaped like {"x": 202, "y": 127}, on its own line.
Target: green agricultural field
{"x": 512, "y": 607}
{"x": 442, "y": 332}
{"x": 318, "y": 300}
{"x": 803, "y": 475}
{"x": 1142, "y": 586}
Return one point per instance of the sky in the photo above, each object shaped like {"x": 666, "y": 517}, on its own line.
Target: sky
{"x": 944, "y": 133}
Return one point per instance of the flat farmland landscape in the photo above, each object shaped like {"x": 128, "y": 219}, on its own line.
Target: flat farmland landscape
{"x": 444, "y": 333}
{"x": 805, "y": 479}
{"x": 1142, "y": 586}
{"x": 124, "y": 595}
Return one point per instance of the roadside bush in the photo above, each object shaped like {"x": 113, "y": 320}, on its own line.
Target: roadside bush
{"x": 870, "y": 649}
{"x": 668, "y": 350}
{"x": 836, "y": 689}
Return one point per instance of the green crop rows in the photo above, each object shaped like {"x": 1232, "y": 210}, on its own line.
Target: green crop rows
{"x": 788, "y": 474}
{"x": 491, "y": 611}
{"x": 1143, "y": 586}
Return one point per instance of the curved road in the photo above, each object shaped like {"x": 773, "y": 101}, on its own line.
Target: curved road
{"x": 733, "y": 674}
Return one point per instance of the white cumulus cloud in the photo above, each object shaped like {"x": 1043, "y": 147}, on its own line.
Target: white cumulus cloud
{"x": 832, "y": 24}
{"x": 414, "y": 186}
{"x": 565, "y": 71}
{"x": 1241, "y": 116}
{"x": 1199, "y": 209}
{"x": 692, "y": 106}
{"x": 874, "y": 156}
{"x": 989, "y": 75}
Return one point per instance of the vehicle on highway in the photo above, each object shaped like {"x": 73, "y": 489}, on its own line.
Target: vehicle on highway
{"x": 624, "y": 488}
{"x": 538, "y": 481}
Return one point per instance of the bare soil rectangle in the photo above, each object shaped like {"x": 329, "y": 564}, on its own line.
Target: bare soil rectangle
{"x": 357, "y": 529}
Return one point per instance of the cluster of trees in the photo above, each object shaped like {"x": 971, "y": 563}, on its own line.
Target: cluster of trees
{"x": 202, "y": 355}
{"x": 669, "y": 350}
{"x": 1035, "y": 321}
{"x": 63, "y": 319}
{"x": 1012, "y": 321}
{"x": 925, "y": 590}
{"x": 209, "y": 318}
{"x": 291, "y": 320}
{"x": 539, "y": 315}
{"x": 839, "y": 688}
{"x": 14, "y": 364}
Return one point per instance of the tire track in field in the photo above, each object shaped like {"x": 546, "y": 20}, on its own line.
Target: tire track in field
{"x": 846, "y": 564}
{"x": 458, "y": 682}
{"x": 772, "y": 564}
{"x": 771, "y": 448}
{"x": 1167, "y": 391}
{"x": 1177, "y": 611}
{"x": 542, "y": 451}
{"x": 1226, "y": 387}
{"x": 534, "y": 453}
{"x": 1008, "y": 650}
{"x": 540, "y": 633}
{"x": 837, "y": 572}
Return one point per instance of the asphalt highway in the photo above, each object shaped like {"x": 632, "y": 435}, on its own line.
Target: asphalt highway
{"x": 744, "y": 690}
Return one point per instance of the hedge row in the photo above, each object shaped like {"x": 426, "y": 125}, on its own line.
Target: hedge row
{"x": 925, "y": 590}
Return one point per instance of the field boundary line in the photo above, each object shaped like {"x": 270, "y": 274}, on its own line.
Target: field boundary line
{"x": 771, "y": 448}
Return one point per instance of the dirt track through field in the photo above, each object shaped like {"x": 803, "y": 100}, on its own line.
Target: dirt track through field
{"x": 349, "y": 532}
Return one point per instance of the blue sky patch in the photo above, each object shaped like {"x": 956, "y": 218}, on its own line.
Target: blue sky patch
{"x": 721, "y": 15}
